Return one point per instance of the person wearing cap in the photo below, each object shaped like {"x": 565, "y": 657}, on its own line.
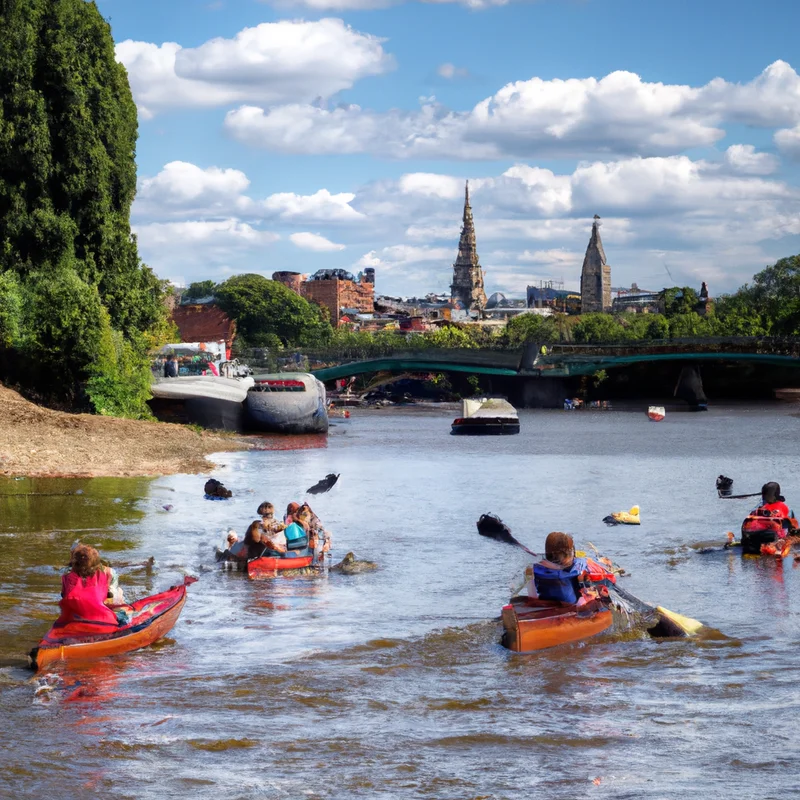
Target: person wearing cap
{"x": 272, "y": 527}
{"x": 558, "y": 575}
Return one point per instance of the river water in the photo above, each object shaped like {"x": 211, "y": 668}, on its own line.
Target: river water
{"x": 392, "y": 684}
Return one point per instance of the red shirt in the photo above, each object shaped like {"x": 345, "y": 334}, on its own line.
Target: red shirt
{"x": 82, "y": 599}
{"x": 782, "y": 508}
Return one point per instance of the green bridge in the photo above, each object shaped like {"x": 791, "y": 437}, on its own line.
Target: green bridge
{"x": 563, "y": 360}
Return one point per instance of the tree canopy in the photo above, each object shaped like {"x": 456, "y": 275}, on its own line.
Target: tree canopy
{"x": 68, "y": 130}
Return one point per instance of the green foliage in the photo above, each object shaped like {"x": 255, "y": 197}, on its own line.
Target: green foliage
{"x": 264, "y": 309}
{"x": 597, "y": 328}
{"x": 638, "y": 327}
{"x": 690, "y": 326}
{"x": 68, "y": 131}
{"x": 200, "y": 289}
{"x": 529, "y": 328}
{"x": 448, "y": 336}
{"x": 736, "y": 315}
{"x": 679, "y": 300}
{"x": 599, "y": 377}
{"x": 10, "y": 310}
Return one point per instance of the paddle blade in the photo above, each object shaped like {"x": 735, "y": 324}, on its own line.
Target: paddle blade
{"x": 492, "y": 527}
{"x": 325, "y": 485}
{"x": 671, "y": 624}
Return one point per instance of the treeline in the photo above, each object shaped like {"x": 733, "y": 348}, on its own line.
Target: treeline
{"x": 78, "y": 310}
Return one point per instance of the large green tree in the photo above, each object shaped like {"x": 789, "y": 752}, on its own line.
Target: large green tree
{"x": 268, "y": 313}
{"x": 68, "y": 131}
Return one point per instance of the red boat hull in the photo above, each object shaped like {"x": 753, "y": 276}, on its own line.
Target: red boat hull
{"x": 267, "y": 567}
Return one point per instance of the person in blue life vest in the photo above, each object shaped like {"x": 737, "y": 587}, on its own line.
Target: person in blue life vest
{"x": 559, "y": 574}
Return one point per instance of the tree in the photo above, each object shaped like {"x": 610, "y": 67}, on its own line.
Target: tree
{"x": 597, "y": 328}
{"x": 529, "y": 327}
{"x": 200, "y": 289}
{"x": 679, "y": 300}
{"x": 689, "y": 326}
{"x": 263, "y": 309}
{"x": 736, "y": 316}
{"x": 68, "y": 131}
{"x": 775, "y": 296}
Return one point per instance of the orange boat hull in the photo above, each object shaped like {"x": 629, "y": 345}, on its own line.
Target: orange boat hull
{"x": 537, "y": 625}
{"x": 267, "y": 567}
{"x": 123, "y": 640}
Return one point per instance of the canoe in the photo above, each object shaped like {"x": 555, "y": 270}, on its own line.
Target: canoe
{"x": 153, "y": 617}
{"x": 267, "y": 566}
{"x": 764, "y": 534}
{"x": 656, "y": 413}
{"x": 534, "y": 624}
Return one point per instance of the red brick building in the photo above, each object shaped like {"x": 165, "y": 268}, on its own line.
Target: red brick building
{"x": 204, "y": 323}
{"x": 334, "y": 289}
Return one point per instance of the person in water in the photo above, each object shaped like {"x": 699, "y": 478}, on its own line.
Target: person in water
{"x": 558, "y": 575}
{"x": 85, "y": 591}
{"x": 772, "y": 500}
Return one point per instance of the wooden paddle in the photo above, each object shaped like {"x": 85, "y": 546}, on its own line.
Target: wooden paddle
{"x": 669, "y": 624}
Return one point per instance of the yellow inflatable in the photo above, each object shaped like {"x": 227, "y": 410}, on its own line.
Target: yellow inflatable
{"x": 630, "y": 517}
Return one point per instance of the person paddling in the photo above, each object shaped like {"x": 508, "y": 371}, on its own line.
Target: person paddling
{"x": 558, "y": 575}
{"x": 772, "y": 500}
{"x": 85, "y": 591}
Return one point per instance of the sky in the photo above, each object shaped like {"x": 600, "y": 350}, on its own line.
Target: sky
{"x": 305, "y": 134}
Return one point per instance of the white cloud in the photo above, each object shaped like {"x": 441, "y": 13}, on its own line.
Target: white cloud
{"x": 322, "y": 206}
{"x": 618, "y": 114}
{"x": 400, "y": 256}
{"x": 788, "y": 141}
{"x": 557, "y": 257}
{"x": 450, "y": 71}
{"x": 315, "y": 242}
{"x": 430, "y": 184}
{"x": 744, "y": 158}
{"x": 275, "y": 62}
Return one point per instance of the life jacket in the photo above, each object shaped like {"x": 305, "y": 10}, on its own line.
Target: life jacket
{"x": 82, "y": 599}
{"x": 559, "y": 584}
{"x": 780, "y": 507}
{"x": 296, "y": 537}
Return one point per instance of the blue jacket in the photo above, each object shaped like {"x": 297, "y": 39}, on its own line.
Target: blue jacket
{"x": 559, "y": 584}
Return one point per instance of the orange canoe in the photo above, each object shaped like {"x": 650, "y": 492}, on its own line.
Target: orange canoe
{"x": 266, "y": 567}
{"x": 536, "y": 624}
{"x": 153, "y": 617}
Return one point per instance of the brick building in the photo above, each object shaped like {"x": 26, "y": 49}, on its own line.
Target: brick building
{"x": 204, "y": 323}
{"x": 334, "y": 289}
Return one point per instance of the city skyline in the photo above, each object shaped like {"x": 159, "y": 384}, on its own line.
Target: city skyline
{"x": 292, "y": 137}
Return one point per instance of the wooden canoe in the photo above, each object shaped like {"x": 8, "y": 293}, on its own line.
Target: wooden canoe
{"x": 153, "y": 617}
{"x": 532, "y": 624}
{"x": 268, "y": 566}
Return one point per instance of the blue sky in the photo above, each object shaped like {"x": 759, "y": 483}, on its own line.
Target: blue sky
{"x": 338, "y": 133}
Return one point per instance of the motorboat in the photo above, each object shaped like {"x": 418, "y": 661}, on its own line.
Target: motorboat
{"x": 287, "y": 402}
{"x": 206, "y": 400}
{"x": 481, "y": 416}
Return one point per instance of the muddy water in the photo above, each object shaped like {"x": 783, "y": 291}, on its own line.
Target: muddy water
{"x": 391, "y": 684}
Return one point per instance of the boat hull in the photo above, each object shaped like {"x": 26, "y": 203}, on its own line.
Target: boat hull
{"x": 267, "y": 567}
{"x": 484, "y": 426}
{"x": 153, "y": 618}
{"x": 302, "y": 411}
{"x": 763, "y": 535}
{"x": 656, "y": 413}
{"x": 538, "y": 624}
{"x": 210, "y": 413}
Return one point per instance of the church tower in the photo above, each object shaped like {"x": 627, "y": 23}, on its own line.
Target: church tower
{"x": 467, "y": 286}
{"x": 595, "y": 275}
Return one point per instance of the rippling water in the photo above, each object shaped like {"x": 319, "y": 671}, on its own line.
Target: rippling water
{"x": 391, "y": 683}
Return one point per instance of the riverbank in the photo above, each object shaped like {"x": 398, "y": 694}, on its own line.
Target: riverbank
{"x": 40, "y": 442}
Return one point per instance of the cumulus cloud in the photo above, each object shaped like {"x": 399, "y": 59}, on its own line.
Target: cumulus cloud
{"x": 788, "y": 141}
{"x": 322, "y": 206}
{"x": 744, "y": 158}
{"x": 619, "y": 114}
{"x": 314, "y": 242}
{"x": 275, "y": 62}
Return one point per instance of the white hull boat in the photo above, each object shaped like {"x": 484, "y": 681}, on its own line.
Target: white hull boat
{"x": 206, "y": 400}
{"x": 287, "y": 402}
{"x": 486, "y": 416}
{"x": 656, "y": 413}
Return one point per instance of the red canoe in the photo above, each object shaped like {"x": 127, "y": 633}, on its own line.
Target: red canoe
{"x": 153, "y": 617}
{"x": 267, "y": 567}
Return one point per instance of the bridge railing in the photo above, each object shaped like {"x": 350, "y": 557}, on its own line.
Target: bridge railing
{"x": 772, "y": 345}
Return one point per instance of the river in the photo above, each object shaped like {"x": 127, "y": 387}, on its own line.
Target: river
{"x": 392, "y": 684}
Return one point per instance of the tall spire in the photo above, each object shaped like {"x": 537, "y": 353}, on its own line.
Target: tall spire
{"x": 467, "y": 286}
{"x": 595, "y": 275}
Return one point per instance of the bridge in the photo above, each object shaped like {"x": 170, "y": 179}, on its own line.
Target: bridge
{"x": 565, "y": 360}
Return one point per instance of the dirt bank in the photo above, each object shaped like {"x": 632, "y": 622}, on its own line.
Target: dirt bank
{"x": 40, "y": 442}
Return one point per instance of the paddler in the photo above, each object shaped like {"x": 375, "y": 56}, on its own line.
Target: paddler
{"x": 772, "y": 500}
{"x": 559, "y": 574}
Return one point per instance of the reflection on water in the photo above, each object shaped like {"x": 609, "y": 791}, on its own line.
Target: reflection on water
{"x": 392, "y": 683}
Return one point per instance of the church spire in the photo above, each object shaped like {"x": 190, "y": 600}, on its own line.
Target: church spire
{"x": 467, "y": 286}
{"x": 595, "y": 275}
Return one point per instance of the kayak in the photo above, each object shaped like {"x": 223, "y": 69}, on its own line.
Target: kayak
{"x": 153, "y": 617}
{"x": 763, "y": 533}
{"x": 267, "y": 566}
{"x": 531, "y": 624}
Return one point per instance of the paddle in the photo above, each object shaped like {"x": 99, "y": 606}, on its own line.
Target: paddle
{"x": 325, "y": 485}
{"x": 669, "y": 624}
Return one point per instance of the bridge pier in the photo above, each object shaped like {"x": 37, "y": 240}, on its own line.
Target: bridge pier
{"x": 690, "y": 385}
{"x": 540, "y": 392}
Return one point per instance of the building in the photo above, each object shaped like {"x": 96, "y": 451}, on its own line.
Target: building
{"x": 595, "y": 275}
{"x": 204, "y": 322}
{"x": 467, "y": 290}
{"x": 545, "y": 296}
{"x": 334, "y": 289}
{"x": 638, "y": 300}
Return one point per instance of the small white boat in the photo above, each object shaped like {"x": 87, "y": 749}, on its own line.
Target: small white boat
{"x": 206, "y": 400}
{"x": 482, "y": 416}
{"x": 287, "y": 402}
{"x": 656, "y": 413}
